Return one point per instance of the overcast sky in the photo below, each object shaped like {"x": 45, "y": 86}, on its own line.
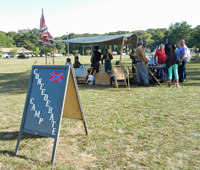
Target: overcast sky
{"x": 96, "y": 16}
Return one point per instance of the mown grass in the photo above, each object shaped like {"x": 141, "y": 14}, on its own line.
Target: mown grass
{"x": 140, "y": 128}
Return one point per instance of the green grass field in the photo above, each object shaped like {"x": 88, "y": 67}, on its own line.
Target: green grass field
{"x": 140, "y": 128}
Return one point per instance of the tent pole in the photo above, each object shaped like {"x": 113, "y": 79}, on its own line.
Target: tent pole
{"x": 122, "y": 50}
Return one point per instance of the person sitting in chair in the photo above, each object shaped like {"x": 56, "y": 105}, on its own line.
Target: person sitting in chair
{"x": 68, "y": 62}
{"x": 77, "y": 63}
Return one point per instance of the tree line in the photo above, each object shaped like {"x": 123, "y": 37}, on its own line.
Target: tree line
{"x": 28, "y": 38}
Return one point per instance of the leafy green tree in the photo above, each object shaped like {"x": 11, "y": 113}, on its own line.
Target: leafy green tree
{"x": 59, "y": 45}
{"x": 6, "y": 41}
{"x": 88, "y": 51}
{"x": 75, "y": 52}
{"x": 37, "y": 51}
{"x": 14, "y": 51}
{"x": 179, "y": 30}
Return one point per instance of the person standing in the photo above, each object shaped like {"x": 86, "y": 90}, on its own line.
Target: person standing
{"x": 160, "y": 53}
{"x": 183, "y": 59}
{"x": 141, "y": 60}
{"x": 197, "y": 54}
{"x": 95, "y": 58}
{"x": 171, "y": 64}
{"x": 107, "y": 57}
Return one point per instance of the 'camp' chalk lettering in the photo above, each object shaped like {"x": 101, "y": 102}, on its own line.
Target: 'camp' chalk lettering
{"x": 37, "y": 114}
{"x": 33, "y": 107}
{"x": 40, "y": 121}
{"x": 31, "y": 101}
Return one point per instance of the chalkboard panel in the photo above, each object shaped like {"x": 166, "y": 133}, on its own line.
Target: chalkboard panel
{"x": 52, "y": 93}
{"x": 44, "y": 104}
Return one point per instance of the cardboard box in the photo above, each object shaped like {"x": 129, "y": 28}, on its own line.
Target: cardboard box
{"x": 102, "y": 78}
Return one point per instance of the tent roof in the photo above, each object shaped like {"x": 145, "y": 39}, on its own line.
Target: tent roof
{"x": 103, "y": 40}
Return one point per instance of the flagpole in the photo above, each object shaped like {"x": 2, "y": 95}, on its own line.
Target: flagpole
{"x": 53, "y": 54}
{"x": 45, "y": 53}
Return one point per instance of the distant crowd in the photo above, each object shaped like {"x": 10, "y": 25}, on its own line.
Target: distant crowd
{"x": 173, "y": 59}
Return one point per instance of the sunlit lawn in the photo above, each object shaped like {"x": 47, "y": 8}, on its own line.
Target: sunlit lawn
{"x": 140, "y": 128}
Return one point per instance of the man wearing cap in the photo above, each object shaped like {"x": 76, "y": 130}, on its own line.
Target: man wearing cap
{"x": 141, "y": 60}
{"x": 95, "y": 58}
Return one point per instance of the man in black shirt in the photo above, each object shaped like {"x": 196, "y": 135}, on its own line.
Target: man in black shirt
{"x": 95, "y": 58}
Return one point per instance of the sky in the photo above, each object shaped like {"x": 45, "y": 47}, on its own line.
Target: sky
{"x": 96, "y": 16}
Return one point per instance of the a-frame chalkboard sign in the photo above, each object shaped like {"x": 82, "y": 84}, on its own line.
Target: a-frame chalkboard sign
{"x": 52, "y": 94}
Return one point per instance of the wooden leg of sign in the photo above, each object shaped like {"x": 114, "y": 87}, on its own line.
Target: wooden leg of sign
{"x": 18, "y": 141}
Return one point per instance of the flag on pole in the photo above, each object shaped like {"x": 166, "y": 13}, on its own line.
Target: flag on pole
{"x": 44, "y": 34}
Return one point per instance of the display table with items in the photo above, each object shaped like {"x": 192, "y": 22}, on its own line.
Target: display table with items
{"x": 154, "y": 70}
{"x": 82, "y": 74}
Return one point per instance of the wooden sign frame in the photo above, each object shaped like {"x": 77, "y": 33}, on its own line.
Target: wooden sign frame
{"x": 65, "y": 101}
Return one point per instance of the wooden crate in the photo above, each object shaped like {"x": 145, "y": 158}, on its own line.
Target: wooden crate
{"x": 81, "y": 80}
{"x": 102, "y": 78}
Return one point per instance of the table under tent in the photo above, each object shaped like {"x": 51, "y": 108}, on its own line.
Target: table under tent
{"x": 122, "y": 39}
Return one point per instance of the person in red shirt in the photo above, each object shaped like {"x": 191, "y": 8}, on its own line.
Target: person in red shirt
{"x": 160, "y": 53}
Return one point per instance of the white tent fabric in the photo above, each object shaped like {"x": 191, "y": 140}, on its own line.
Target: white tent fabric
{"x": 104, "y": 40}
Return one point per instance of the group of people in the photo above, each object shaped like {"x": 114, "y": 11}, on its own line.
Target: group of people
{"x": 173, "y": 58}
{"x": 96, "y": 58}
{"x": 95, "y": 61}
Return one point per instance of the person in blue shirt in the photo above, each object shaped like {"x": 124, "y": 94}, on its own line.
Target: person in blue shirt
{"x": 183, "y": 56}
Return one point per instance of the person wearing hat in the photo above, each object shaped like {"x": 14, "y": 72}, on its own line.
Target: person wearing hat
{"x": 141, "y": 60}
{"x": 107, "y": 57}
{"x": 95, "y": 58}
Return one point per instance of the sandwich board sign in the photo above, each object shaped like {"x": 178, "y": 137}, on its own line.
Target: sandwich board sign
{"x": 52, "y": 94}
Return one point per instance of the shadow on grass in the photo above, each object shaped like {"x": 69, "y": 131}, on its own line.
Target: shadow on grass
{"x": 19, "y": 156}
{"x": 6, "y": 136}
{"x": 14, "y": 82}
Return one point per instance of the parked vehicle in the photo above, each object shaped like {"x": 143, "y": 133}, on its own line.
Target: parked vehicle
{"x": 68, "y": 55}
{"x": 41, "y": 55}
{"x": 34, "y": 55}
{"x": 29, "y": 55}
{"x": 22, "y": 56}
{"x": 113, "y": 53}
